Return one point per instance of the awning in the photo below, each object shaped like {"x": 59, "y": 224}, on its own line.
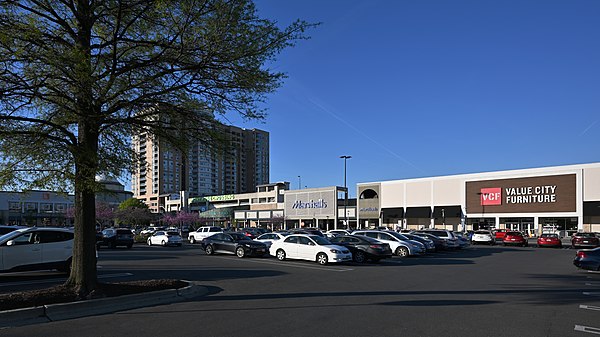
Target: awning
{"x": 418, "y": 212}
{"x": 393, "y": 213}
{"x": 591, "y": 208}
{"x": 449, "y": 212}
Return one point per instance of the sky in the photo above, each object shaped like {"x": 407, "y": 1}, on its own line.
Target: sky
{"x": 431, "y": 88}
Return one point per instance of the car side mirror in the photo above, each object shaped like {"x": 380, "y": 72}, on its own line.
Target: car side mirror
{"x": 10, "y": 243}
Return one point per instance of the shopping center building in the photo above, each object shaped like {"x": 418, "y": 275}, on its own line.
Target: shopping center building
{"x": 565, "y": 198}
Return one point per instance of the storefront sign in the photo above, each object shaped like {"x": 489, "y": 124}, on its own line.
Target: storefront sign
{"x": 523, "y": 195}
{"x": 211, "y": 198}
{"x": 313, "y": 204}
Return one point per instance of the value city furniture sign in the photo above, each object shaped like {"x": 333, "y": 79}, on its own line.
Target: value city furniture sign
{"x": 523, "y": 195}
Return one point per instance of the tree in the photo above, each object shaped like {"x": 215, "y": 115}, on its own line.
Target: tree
{"x": 134, "y": 212}
{"x": 79, "y": 77}
{"x": 132, "y": 203}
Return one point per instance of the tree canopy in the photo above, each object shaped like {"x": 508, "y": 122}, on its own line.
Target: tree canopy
{"x": 79, "y": 77}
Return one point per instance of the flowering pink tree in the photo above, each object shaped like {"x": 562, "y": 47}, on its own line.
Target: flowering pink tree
{"x": 104, "y": 213}
{"x": 180, "y": 218}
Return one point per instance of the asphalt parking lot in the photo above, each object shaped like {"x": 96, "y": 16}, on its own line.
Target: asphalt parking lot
{"x": 480, "y": 291}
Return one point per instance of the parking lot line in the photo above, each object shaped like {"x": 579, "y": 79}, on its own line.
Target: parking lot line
{"x": 587, "y": 329}
{"x": 592, "y": 284}
{"x": 589, "y": 307}
{"x": 592, "y": 293}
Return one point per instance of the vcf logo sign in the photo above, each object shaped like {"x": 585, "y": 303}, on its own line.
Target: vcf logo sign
{"x": 491, "y": 196}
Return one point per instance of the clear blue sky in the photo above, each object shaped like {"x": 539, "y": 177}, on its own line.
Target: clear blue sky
{"x": 433, "y": 87}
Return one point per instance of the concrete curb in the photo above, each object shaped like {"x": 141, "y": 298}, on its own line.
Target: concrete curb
{"x": 64, "y": 311}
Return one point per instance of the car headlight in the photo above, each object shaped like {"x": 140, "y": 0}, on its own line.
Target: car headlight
{"x": 335, "y": 251}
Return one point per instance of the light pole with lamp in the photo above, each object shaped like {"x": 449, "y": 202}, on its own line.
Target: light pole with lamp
{"x": 299, "y": 183}
{"x": 346, "y": 193}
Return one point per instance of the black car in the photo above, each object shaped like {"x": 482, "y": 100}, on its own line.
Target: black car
{"x": 588, "y": 259}
{"x": 233, "y": 243}
{"x": 113, "y": 237}
{"x": 440, "y": 244}
{"x": 363, "y": 248}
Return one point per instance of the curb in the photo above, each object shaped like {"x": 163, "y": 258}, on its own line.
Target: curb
{"x": 64, "y": 311}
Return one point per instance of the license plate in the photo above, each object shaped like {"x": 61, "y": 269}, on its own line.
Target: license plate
{"x": 512, "y": 239}
{"x": 586, "y": 241}
{"x": 260, "y": 250}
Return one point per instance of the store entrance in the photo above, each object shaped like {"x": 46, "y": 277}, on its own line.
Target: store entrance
{"x": 524, "y": 225}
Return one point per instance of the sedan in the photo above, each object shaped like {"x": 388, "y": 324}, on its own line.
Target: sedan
{"x": 233, "y": 243}
{"x": 587, "y": 240}
{"x": 165, "y": 238}
{"x": 363, "y": 248}
{"x": 588, "y": 259}
{"x": 549, "y": 240}
{"x": 515, "y": 238}
{"x": 311, "y": 248}
{"x": 268, "y": 238}
{"x": 483, "y": 236}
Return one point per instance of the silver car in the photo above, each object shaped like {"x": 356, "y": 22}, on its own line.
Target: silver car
{"x": 483, "y": 236}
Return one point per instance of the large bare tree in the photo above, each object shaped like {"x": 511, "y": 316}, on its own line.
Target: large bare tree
{"x": 78, "y": 77}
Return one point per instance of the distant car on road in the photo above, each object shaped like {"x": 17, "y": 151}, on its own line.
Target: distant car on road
{"x": 113, "y": 237}
{"x": 363, "y": 248}
{"x": 483, "y": 236}
{"x": 588, "y": 259}
{"x": 165, "y": 238}
{"x": 311, "y": 248}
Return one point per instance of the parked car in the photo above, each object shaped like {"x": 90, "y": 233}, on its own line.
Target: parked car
{"x": 400, "y": 244}
{"x": 549, "y": 240}
{"x": 308, "y": 231}
{"x": 462, "y": 240}
{"x": 500, "y": 233}
{"x": 268, "y": 238}
{"x": 113, "y": 237}
{"x": 440, "y": 244}
{"x": 309, "y": 247}
{"x": 585, "y": 240}
{"x": 588, "y": 259}
{"x": 251, "y": 232}
{"x": 203, "y": 232}
{"x": 336, "y": 232}
{"x": 150, "y": 230}
{"x": 428, "y": 243}
{"x": 483, "y": 236}
{"x": 363, "y": 248}
{"x": 165, "y": 238}
{"x": 233, "y": 243}
{"x": 451, "y": 240}
{"x": 34, "y": 248}
{"x": 515, "y": 238}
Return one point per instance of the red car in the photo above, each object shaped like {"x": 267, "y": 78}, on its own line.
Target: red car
{"x": 587, "y": 240}
{"x": 549, "y": 240}
{"x": 500, "y": 233}
{"x": 514, "y": 238}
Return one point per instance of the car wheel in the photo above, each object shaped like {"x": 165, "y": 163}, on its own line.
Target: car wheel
{"x": 149, "y": 242}
{"x": 209, "y": 250}
{"x": 402, "y": 251}
{"x": 280, "y": 254}
{"x": 240, "y": 252}
{"x": 192, "y": 240}
{"x": 359, "y": 257}
{"x": 163, "y": 243}
{"x": 322, "y": 258}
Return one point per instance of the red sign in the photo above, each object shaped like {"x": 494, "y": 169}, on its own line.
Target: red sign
{"x": 491, "y": 196}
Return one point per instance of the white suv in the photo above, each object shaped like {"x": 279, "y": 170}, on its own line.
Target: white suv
{"x": 36, "y": 248}
{"x": 203, "y": 232}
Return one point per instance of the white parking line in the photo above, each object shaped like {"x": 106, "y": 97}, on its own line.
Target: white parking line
{"x": 593, "y": 272}
{"x": 588, "y": 329}
{"x": 592, "y": 293}
{"x": 592, "y": 284}
{"x": 589, "y": 307}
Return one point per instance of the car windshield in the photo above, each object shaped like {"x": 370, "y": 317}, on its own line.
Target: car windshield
{"x": 513, "y": 233}
{"x": 239, "y": 237}
{"x": 172, "y": 233}
{"x": 320, "y": 240}
{"x": 586, "y": 235}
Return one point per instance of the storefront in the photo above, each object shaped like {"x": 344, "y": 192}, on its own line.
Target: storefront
{"x": 561, "y": 198}
{"x": 322, "y": 208}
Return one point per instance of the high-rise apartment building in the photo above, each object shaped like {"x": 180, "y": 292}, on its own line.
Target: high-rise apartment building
{"x": 242, "y": 166}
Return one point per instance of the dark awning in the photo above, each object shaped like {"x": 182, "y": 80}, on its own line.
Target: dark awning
{"x": 449, "y": 211}
{"x": 418, "y": 212}
{"x": 591, "y": 208}
{"x": 393, "y": 213}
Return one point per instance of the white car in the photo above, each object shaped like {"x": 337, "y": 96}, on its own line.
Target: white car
{"x": 165, "y": 238}
{"x": 309, "y": 247}
{"x": 483, "y": 236}
{"x": 150, "y": 230}
{"x": 269, "y": 238}
{"x": 36, "y": 248}
{"x": 400, "y": 244}
{"x": 203, "y": 232}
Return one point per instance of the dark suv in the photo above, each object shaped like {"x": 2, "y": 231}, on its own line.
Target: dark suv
{"x": 113, "y": 237}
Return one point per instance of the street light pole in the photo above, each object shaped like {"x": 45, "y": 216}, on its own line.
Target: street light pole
{"x": 346, "y": 192}
{"x": 299, "y": 183}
